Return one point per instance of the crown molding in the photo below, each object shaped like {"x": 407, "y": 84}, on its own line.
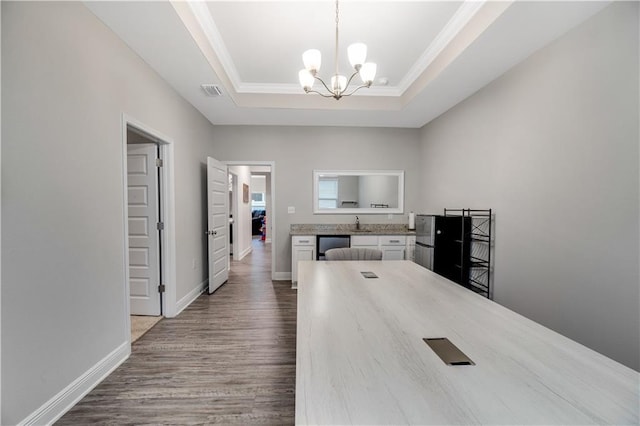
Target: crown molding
{"x": 456, "y": 24}
{"x": 204, "y": 19}
{"x": 294, "y": 89}
{"x": 201, "y": 12}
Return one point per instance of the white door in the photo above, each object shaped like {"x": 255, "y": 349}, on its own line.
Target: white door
{"x": 144, "y": 241}
{"x": 218, "y": 222}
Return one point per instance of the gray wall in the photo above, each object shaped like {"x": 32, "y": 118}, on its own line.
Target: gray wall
{"x": 552, "y": 146}
{"x": 557, "y": 138}
{"x": 297, "y": 151}
{"x": 66, "y": 80}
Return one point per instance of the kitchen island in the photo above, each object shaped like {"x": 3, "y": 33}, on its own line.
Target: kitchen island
{"x": 361, "y": 358}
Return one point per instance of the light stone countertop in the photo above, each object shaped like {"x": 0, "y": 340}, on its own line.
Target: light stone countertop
{"x": 350, "y": 229}
{"x": 360, "y": 357}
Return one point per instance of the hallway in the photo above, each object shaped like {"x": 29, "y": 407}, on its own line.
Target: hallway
{"x": 228, "y": 358}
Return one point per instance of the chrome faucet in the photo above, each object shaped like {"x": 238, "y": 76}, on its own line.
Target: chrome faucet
{"x": 357, "y": 223}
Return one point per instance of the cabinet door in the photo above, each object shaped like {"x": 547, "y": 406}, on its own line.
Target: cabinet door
{"x": 392, "y": 253}
{"x": 300, "y": 253}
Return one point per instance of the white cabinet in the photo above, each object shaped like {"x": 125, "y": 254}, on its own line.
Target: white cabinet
{"x": 392, "y": 252}
{"x": 393, "y": 247}
{"x": 364, "y": 241}
{"x": 302, "y": 248}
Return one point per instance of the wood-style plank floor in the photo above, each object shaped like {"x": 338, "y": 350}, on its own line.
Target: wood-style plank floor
{"x": 228, "y": 358}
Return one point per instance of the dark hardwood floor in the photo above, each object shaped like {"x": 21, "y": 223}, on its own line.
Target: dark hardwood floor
{"x": 228, "y": 358}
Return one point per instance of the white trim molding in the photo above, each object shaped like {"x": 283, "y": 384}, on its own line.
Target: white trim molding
{"x": 168, "y": 241}
{"x": 0, "y": 230}
{"x": 190, "y": 297}
{"x": 274, "y": 235}
{"x": 281, "y": 276}
{"x": 244, "y": 253}
{"x": 64, "y": 400}
{"x": 202, "y": 14}
{"x": 460, "y": 19}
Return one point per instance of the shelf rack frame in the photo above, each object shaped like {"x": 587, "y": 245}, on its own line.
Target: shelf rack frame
{"x": 480, "y": 238}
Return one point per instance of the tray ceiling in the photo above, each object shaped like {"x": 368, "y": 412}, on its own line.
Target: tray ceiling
{"x": 432, "y": 54}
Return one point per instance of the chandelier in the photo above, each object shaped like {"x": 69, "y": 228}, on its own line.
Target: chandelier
{"x": 357, "y": 53}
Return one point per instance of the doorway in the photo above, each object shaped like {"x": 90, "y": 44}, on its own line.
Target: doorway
{"x": 149, "y": 242}
{"x": 249, "y": 216}
{"x": 233, "y": 214}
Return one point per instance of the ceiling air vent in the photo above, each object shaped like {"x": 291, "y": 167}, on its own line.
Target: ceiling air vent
{"x": 212, "y": 90}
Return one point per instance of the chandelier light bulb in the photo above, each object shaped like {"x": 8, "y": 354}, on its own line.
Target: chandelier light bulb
{"x": 357, "y": 53}
{"x": 338, "y": 85}
{"x": 306, "y": 79}
{"x": 312, "y": 59}
{"x": 368, "y": 72}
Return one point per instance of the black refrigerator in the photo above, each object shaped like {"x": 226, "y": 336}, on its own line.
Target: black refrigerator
{"x": 452, "y": 248}
{"x": 443, "y": 245}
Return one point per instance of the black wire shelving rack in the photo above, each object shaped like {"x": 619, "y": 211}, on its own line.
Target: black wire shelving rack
{"x": 477, "y": 260}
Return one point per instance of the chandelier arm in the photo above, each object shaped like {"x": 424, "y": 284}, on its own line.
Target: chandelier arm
{"x": 349, "y": 81}
{"x": 325, "y": 86}
{"x": 319, "y": 93}
{"x": 356, "y": 89}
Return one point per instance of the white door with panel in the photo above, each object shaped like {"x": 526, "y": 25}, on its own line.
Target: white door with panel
{"x": 143, "y": 222}
{"x": 218, "y": 222}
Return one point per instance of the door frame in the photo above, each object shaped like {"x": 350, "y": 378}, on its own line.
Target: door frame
{"x": 272, "y": 218}
{"x": 167, "y": 206}
{"x": 233, "y": 209}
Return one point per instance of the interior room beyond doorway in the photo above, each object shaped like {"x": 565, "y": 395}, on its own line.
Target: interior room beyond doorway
{"x": 251, "y": 188}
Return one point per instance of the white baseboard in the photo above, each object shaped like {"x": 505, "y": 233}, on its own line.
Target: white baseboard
{"x": 281, "y": 276}
{"x": 191, "y": 296}
{"x": 244, "y": 253}
{"x": 55, "y": 408}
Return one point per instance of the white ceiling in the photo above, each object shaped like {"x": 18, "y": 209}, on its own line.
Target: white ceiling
{"x": 434, "y": 54}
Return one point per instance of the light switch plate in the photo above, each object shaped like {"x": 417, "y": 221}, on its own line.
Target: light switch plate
{"x": 291, "y": 209}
